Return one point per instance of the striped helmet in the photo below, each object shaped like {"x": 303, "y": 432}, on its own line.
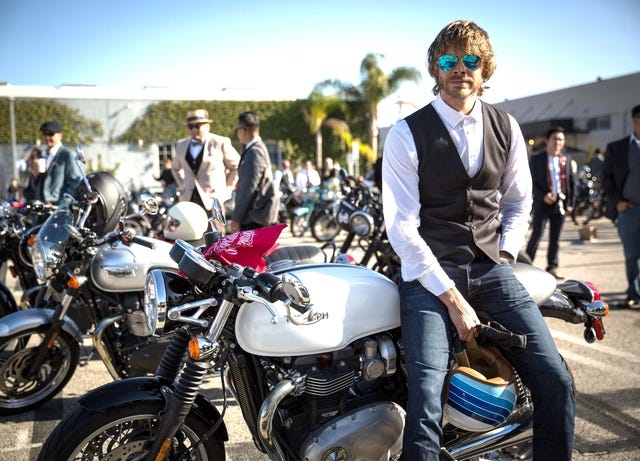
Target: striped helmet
{"x": 483, "y": 395}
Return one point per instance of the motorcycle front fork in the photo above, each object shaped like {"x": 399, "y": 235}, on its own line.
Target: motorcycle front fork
{"x": 53, "y": 332}
{"x": 179, "y": 401}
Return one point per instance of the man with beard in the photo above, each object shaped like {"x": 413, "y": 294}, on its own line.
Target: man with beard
{"x": 449, "y": 171}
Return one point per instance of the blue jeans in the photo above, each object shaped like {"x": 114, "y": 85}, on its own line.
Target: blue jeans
{"x": 628, "y": 229}
{"x": 427, "y": 339}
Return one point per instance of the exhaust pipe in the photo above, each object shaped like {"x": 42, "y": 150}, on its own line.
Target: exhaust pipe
{"x": 100, "y": 347}
{"x": 268, "y": 411}
{"x": 499, "y": 438}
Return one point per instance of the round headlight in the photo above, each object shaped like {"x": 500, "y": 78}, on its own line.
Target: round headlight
{"x": 361, "y": 223}
{"x": 42, "y": 261}
{"x": 155, "y": 304}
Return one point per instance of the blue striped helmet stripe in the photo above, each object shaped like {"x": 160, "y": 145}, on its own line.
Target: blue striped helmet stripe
{"x": 492, "y": 404}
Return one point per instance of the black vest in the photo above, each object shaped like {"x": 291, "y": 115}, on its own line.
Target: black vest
{"x": 458, "y": 214}
{"x": 195, "y": 163}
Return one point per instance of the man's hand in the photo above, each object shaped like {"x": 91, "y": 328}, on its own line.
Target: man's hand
{"x": 622, "y": 205}
{"x": 461, "y": 313}
{"x": 549, "y": 199}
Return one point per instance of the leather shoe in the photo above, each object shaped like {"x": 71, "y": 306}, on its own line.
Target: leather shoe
{"x": 553, "y": 271}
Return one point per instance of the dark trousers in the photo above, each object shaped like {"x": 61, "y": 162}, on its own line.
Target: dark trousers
{"x": 542, "y": 214}
{"x": 628, "y": 225}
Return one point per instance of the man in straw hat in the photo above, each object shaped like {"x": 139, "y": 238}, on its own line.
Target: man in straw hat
{"x": 205, "y": 164}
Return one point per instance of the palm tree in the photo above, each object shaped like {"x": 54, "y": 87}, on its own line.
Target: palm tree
{"x": 317, "y": 115}
{"x": 376, "y": 86}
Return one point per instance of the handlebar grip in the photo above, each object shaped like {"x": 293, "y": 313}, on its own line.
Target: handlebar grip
{"x": 143, "y": 242}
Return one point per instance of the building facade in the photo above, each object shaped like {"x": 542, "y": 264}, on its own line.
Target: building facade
{"x": 592, "y": 114}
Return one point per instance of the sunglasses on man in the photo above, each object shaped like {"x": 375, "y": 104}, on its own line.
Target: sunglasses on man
{"x": 448, "y": 61}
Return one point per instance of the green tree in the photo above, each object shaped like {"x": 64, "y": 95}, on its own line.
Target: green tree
{"x": 30, "y": 114}
{"x": 317, "y": 116}
{"x": 375, "y": 86}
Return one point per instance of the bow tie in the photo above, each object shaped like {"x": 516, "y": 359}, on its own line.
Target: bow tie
{"x": 195, "y": 142}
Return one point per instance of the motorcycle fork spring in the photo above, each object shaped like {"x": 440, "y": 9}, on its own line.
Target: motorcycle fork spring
{"x": 173, "y": 356}
{"x": 178, "y": 404}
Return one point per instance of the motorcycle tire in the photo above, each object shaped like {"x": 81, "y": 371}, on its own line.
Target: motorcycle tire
{"x": 125, "y": 431}
{"x": 582, "y": 213}
{"x": 298, "y": 225}
{"x": 324, "y": 226}
{"x": 19, "y": 393}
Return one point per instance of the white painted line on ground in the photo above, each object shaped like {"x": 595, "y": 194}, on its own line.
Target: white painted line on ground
{"x": 597, "y": 347}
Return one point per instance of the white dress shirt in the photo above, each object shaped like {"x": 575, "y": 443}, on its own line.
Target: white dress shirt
{"x": 401, "y": 198}
{"x": 553, "y": 163}
{"x": 51, "y": 153}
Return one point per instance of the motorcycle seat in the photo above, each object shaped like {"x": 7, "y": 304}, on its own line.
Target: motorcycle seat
{"x": 299, "y": 254}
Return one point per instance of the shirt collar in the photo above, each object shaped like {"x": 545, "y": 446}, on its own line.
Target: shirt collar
{"x": 252, "y": 142}
{"x": 54, "y": 150}
{"x": 452, "y": 117}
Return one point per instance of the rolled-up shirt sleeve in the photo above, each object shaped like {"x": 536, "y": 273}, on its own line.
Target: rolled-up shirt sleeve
{"x": 401, "y": 205}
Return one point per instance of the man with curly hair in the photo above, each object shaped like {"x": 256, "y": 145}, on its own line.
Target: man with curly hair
{"x": 457, "y": 197}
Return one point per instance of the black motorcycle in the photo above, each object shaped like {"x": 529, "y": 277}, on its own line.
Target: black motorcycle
{"x": 589, "y": 198}
{"x": 17, "y": 225}
{"x": 360, "y": 215}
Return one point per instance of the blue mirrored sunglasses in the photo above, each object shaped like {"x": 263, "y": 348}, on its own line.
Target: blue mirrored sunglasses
{"x": 448, "y": 61}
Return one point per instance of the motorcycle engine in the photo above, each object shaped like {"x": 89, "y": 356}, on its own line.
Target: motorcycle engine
{"x": 346, "y": 404}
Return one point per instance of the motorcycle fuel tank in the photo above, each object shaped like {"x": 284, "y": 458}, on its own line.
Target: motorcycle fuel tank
{"x": 117, "y": 267}
{"x": 349, "y": 302}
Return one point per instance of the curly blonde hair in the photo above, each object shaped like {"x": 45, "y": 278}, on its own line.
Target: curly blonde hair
{"x": 465, "y": 36}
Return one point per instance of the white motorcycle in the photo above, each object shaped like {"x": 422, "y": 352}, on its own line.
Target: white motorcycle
{"x": 312, "y": 354}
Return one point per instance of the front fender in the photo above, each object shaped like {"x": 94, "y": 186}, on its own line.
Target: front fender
{"x": 26, "y": 319}
{"x": 132, "y": 390}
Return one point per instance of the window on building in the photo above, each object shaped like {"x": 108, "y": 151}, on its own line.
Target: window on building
{"x": 599, "y": 123}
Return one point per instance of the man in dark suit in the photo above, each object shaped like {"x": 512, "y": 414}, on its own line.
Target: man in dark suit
{"x": 621, "y": 182}
{"x": 254, "y": 165}
{"x": 62, "y": 171}
{"x": 553, "y": 184}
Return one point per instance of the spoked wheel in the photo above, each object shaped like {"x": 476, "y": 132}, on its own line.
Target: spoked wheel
{"x": 126, "y": 432}
{"x": 324, "y": 226}
{"x": 298, "y": 225}
{"x": 21, "y": 391}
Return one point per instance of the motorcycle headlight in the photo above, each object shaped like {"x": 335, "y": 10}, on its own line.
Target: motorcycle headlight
{"x": 44, "y": 260}
{"x": 361, "y": 223}
{"x": 163, "y": 290}
{"x": 154, "y": 310}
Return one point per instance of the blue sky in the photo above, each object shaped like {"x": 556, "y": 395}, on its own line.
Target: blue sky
{"x": 280, "y": 49}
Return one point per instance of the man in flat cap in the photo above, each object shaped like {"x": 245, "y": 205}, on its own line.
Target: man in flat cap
{"x": 62, "y": 172}
{"x": 205, "y": 164}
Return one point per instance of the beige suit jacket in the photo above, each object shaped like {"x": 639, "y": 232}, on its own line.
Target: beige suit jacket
{"x": 217, "y": 174}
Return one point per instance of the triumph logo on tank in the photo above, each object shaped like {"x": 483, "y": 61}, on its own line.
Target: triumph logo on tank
{"x": 119, "y": 272}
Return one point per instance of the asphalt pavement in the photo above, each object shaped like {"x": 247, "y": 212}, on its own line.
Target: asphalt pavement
{"x": 606, "y": 373}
